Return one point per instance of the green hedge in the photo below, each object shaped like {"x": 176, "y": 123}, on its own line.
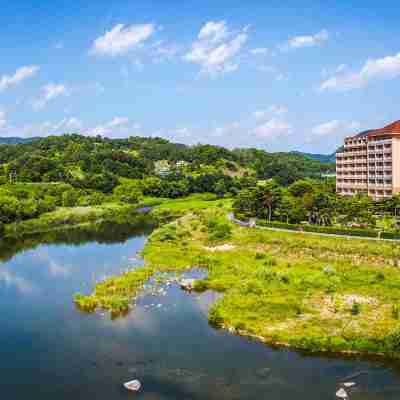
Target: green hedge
{"x": 321, "y": 229}
{"x": 279, "y": 225}
{"x": 390, "y": 235}
{"x": 341, "y": 231}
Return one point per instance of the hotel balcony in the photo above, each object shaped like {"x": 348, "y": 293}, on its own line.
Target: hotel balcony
{"x": 351, "y": 185}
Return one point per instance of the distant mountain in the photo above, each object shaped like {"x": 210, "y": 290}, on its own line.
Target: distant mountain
{"x": 16, "y": 140}
{"x": 324, "y": 158}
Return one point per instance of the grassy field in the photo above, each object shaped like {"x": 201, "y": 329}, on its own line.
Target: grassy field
{"x": 314, "y": 293}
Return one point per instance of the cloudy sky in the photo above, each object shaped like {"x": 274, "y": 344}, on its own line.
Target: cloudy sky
{"x": 269, "y": 74}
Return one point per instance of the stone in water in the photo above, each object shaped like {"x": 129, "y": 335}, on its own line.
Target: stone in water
{"x": 134, "y": 385}
{"x": 342, "y": 394}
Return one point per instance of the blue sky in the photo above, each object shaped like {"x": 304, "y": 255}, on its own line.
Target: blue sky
{"x": 268, "y": 74}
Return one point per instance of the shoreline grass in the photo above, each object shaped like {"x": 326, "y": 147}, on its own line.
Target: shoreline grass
{"x": 311, "y": 293}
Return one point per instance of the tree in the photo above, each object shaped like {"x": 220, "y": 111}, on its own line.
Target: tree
{"x": 246, "y": 202}
{"x": 284, "y": 207}
{"x": 269, "y": 195}
{"x": 300, "y": 188}
{"x": 128, "y": 193}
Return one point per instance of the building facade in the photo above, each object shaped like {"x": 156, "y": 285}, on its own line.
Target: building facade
{"x": 370, "y": 163}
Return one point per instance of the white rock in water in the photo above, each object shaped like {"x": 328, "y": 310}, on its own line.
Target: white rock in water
{"x": 342, "y": 394}
{"x": 187, "y": 284}
{"x": 134, "y": 385}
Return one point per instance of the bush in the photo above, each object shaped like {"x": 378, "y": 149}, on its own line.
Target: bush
{"x": 215, "y": 318}
{"x": 393, "y": 340}
{"x": 200, "y": 285}
{"x": 70, "y": 198}
{"x": 218, "y": 230}
{"x": 129, "y": 194}
{"x": 355, "y": 308}
{"x": 9, "y": 209}
{"x": 259, "y": 256}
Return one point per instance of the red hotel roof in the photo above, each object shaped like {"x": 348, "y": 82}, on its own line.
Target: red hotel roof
{"x": 391, "y": 129}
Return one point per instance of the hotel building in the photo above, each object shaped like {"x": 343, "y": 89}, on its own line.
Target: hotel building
{"x": 370, "y": 163}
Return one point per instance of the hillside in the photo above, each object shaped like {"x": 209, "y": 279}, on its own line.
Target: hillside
{"x": 324, "y": 158}
{"x": 98, "y": 163}
{"x": 16, "y": 140}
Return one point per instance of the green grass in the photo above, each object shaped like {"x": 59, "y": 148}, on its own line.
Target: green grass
{"x": 314, "y": 293}
{"x": 194, "y": 202}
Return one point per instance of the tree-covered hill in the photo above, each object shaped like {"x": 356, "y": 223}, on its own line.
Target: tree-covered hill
{"x": 98, "y": 163}
{"x": 324, "y": 158}
{"x": 16, "y": 140}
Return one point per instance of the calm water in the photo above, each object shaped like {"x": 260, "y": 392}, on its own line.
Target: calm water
{"x": 49, "y": 350}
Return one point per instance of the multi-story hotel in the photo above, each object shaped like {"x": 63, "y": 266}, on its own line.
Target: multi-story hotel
{"x": 370, "y": 163}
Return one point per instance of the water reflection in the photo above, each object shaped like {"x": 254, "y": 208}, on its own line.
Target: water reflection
{"x": 165, "y": 341}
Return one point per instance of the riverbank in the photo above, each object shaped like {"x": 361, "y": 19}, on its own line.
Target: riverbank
{"x": 65, "y": 217}
{"x": 312, "y": 293}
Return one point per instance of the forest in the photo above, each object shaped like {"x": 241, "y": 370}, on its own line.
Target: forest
{"x": 44, "y": 174}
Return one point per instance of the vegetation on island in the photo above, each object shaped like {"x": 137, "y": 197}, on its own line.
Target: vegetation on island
{"x": 313, "y": 293}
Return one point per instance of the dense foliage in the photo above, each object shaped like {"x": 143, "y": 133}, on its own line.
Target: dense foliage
{"x": 71, "y": 170}
{"x": 315, "y": 203}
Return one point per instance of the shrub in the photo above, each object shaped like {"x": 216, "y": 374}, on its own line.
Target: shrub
{"x": 380, "y": 276}
{"x": 259, "y": 256}
{"x": 218, "y": 231}
{"x": 355, "y": 308}
{"x": 128, "y": 194}
{"x": 70, "y": 198}
{"x": 393, "y": 340}
{"x": 200, "y": 285}
{"x": 215, "y": 318}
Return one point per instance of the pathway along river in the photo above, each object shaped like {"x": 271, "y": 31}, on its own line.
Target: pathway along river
{"x": 50, "y": 350}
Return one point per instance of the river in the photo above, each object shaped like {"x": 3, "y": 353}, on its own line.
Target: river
{"x": 50, "y": 350}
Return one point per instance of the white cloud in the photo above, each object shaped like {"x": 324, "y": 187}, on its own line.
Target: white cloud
{"x": 118, "y": 126}
{"x": 259, "y": 51}
{"x": 214, "y": 31}
{"x": 121, "y": 39}
{"x": 273, "y": 128}
{"x": 20, "y": 74}
{"x": 297, "y": 42}
{"x": 50, "y": 92}
{"x": 374, "y": 69}
{"x": 68, "y": 124}
{"x": 272, "y": 110}
{"x": 334, "y": 127}
{"x": 216, "y": 48}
